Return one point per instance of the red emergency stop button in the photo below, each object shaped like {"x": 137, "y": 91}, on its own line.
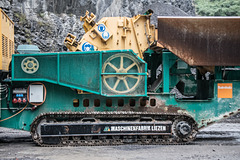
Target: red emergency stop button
{"x": 24, "y": 100}
{"x": 19, "y": 100}
{"x": 14, "y": 100}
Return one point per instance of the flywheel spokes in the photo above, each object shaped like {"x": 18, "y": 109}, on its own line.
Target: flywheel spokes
{"x": 124, "y": 71}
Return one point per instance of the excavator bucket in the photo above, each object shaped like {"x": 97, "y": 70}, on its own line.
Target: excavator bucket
{"x": 202, "y": 41}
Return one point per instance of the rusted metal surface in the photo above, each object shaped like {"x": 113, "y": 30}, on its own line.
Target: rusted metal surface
{"x": 202, "y": 41}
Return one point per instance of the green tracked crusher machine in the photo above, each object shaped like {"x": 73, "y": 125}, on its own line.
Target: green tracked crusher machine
{"x": 125, "y": 82}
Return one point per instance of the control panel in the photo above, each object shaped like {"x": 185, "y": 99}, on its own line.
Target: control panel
{"x": 19, "y": 95}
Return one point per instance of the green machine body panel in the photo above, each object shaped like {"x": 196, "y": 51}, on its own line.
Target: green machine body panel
{"x": 100, "y": 72}
{"x": 60, "y": 98}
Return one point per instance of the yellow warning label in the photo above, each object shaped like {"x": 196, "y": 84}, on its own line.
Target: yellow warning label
{"x": 224, "y": 90}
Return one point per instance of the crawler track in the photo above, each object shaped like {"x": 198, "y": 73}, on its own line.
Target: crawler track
{"x": 98, "y": 140}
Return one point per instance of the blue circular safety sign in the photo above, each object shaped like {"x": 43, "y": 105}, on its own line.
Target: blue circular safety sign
{"x": 87, "y": 47}
{"x": 105, "y": 35}
{"x": 101, "y": 28}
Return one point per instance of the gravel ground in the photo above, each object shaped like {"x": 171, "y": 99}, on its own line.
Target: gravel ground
{"x": 218, "y": 141}
{"x": 29, "y": 151}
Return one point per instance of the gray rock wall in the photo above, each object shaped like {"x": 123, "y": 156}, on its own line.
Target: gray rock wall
{"x": 45, "y": 23}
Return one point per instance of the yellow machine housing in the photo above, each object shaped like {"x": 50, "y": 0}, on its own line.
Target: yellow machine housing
{"x": 6, "y": 41}
{"x": 114, "y": 33}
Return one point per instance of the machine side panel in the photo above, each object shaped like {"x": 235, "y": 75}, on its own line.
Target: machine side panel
{"x": 202, "y": 41}
{"x": 77, "y": 71}
{"x": 108, "y": 73}
{"x": 60, "y": 99}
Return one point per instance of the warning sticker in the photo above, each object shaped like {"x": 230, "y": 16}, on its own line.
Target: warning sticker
{"x": 224, "y": 90}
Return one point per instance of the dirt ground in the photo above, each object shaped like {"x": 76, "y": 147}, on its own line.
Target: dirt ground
{"x": 219, "y": 141}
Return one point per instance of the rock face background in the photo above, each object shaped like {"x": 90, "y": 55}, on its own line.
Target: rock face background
{"x": 45, "y": 23}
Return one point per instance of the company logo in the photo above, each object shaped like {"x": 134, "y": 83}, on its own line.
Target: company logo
{"x": 106, "y": 129}
{"x": 105, "y": 35}
{"x": 101, "y": 28}
{"x": 87, "y": 47}
{"x": 138, "y": 128}
{"x": 160, "y": 128}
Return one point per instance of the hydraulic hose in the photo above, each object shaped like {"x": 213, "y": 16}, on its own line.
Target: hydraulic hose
{"x": 15, "y": 114}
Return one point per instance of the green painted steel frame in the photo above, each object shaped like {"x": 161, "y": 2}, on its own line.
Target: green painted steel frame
{"x": 100, "y": 71}
{"x": 60, "y": 98}
{"x": 168, "y": 59}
